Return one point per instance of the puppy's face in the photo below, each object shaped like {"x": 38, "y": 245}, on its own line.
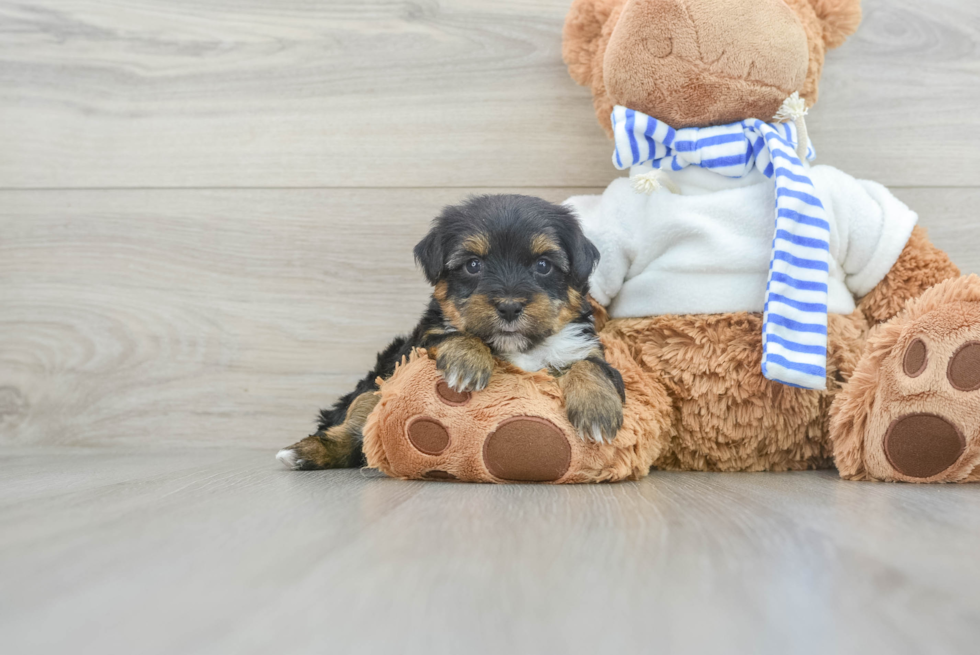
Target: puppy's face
{"x": 511, "y": 270}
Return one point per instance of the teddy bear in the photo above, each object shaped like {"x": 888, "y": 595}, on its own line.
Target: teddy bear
{"x": 766, "y": 314}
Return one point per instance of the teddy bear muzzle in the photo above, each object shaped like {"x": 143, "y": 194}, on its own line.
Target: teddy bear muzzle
{"x": 689, "y": 64}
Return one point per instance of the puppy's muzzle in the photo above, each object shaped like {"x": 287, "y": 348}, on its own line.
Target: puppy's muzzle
{"x": 509, "y": 310}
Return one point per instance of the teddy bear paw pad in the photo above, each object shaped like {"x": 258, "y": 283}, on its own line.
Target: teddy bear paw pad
{"x": 911, "y": 410}
{"x": 428, "y": 436}
{"x": 450, "y": 396}
{"x": 923, "y": 445}
{"x": 527, "y": 449}
{"x": 930, "y": 415}
{"x": 963, "y": 371}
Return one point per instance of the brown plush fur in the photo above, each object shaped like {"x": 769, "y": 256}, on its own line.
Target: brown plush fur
{"x": 696, "y": 400}
{"x": 410, "y": 395}
{"x": 696, "y": 397}
{"x": 685, "y": 63}
{"x": 838, "y": 18}
{"x": 880, "y": 391}
{"x": 727, "y": 417}
{"x": 920, "y": 266}
{"x": 581, "y": 35}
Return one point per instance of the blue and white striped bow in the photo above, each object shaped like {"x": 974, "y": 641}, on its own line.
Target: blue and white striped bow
{"x": 794, "y": 323}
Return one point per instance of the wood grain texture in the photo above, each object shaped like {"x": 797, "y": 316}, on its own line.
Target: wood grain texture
{"x": 218, "y": 551}
{"x": 199, "y": 316}
{"x": 367, "y": 93}
{"x": 228, "y": 317}
{"x": 176, "y": 333}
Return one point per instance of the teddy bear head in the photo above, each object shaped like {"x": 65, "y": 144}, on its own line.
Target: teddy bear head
{"x": 695, "y": 63}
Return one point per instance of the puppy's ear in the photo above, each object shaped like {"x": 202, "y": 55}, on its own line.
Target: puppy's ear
{"x": 584, "y": 258}
{"x": 431, "y": 256}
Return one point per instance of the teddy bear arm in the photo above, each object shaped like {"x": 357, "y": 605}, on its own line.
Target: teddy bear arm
{"x": 921, "y": 265}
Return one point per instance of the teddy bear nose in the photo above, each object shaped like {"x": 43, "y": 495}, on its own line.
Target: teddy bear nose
{"x": 509, "y": 310}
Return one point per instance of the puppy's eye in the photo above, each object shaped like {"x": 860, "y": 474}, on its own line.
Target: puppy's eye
{"x": 474, "y": 266}
{"x": 543, "y": 266}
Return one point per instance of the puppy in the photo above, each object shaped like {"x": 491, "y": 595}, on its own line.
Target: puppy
{"x": 510, "y": 275}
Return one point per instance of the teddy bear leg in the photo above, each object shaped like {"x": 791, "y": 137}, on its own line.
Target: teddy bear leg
{"x": 911, "y": 411}
{"x": 336, "y": 447}
{"x": 489, "y": 436}
{"x": 517, "y": 429}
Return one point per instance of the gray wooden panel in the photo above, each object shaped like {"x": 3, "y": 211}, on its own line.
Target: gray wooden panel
{"x": 220, "y": 317}
{"x": 896, "y": 100}
{"x": 952, "y": 217}
{"x": 204, "y": 316}
{"x": 221, "y": 551}
{"x": 213, "y": 93}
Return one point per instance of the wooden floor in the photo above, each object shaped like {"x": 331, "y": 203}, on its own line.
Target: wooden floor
{"x": 215, "y": 551}
{"x": 207, "y": 209}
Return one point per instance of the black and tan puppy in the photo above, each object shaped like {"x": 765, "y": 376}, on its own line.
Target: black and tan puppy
{"x": 510, "y": 276}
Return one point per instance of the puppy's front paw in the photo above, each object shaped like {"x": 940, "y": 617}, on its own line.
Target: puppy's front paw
{"x": 597, "y": 415}
{"x": 592, "y": 403}
{"x": 465, "y": 362}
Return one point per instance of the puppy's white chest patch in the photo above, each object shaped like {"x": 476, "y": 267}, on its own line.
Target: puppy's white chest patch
{"x": 572, "y": 344}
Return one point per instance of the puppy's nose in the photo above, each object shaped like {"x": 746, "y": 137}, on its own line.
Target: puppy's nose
{"x": 509, "y": 310}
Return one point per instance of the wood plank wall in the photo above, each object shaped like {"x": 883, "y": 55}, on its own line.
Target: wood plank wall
{"x": 207, "y": 207}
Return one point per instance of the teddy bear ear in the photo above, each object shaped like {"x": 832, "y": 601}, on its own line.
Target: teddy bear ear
{"x": 580, "y": 36}
{"x": 840, "y": 19}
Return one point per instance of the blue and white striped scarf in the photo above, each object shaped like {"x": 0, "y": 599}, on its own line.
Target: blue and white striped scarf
{"x": 794, "y": 323}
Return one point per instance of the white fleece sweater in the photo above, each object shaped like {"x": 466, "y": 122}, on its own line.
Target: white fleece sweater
{"x": 707, "y": 249}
